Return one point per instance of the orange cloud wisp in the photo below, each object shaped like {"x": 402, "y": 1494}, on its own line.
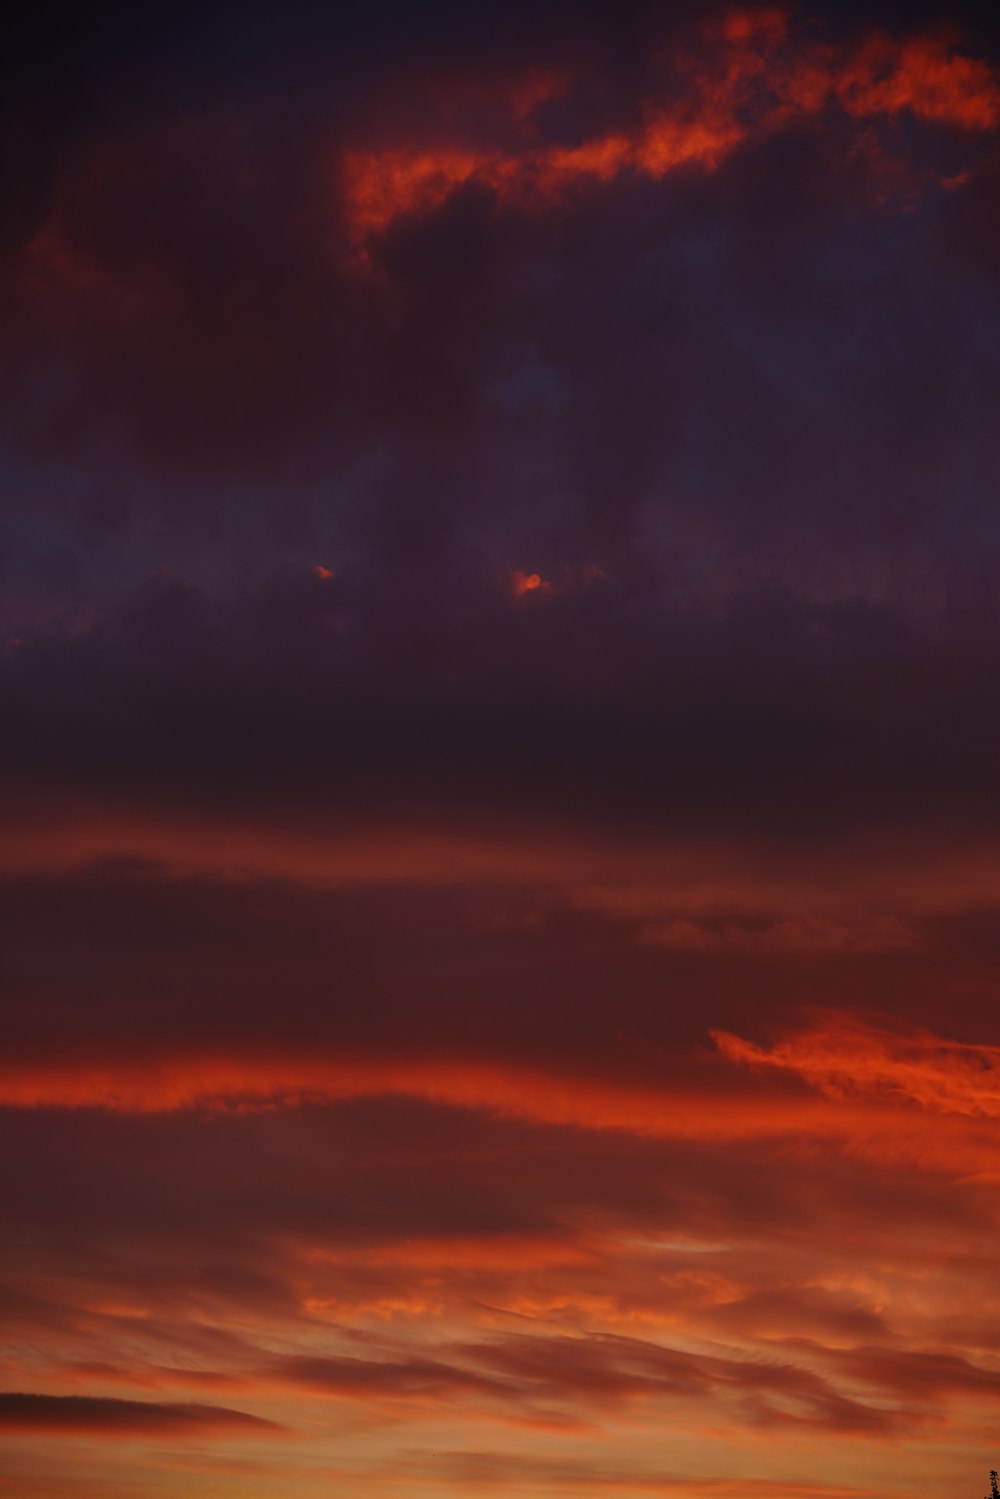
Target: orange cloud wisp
{"x": 846, "y": 1057}
{"x": 883, "y": 1129}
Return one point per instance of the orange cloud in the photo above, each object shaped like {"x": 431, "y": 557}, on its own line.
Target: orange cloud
{"x": 741, "y": 80}
{"x": 164, "y": 1084}
{"x": 881, "y": 1127}
{"x": 922, "y": 75}
{"x": 572, "y": 579}
{"x": 847, "y": 1057}
{"x": 523, "y": 583}
{"x": 381, "y": 185}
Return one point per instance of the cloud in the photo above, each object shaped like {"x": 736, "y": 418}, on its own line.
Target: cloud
{"x": 522, "y": 583}
{"x": 363, "y": 1378}
{"x": 736, "y": 82}
{"x": 502, "y": 1468}
{"x": 844, "y": 1056}
{"x": 90, "y": 1415}
{"x": 365, "y": 935}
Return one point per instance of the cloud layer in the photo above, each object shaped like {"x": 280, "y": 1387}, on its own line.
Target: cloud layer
{"x": 499, "y": 848}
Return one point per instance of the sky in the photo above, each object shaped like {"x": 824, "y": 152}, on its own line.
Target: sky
{"x": 500, "y": 817}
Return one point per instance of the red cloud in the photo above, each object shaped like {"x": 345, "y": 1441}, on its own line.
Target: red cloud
{"x": 922, "y": 75}
{"x": 746, "y": 78}
{"x": 572, "y": 579}
{"x": 845, "y": 1057}
{"x": 529, "y": 583}
{"x": 885, "y": 1128}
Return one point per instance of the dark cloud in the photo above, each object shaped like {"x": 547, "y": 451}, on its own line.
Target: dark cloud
{"x": 755, "y": 398}
{"x": 95, "y": 1416}
{"x": 597, "y": 706}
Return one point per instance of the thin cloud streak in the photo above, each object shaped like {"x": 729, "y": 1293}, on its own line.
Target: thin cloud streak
{"x": 98, "y": 1417}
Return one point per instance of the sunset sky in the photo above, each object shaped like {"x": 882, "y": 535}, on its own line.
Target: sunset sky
{"x": 500, "y": 749}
